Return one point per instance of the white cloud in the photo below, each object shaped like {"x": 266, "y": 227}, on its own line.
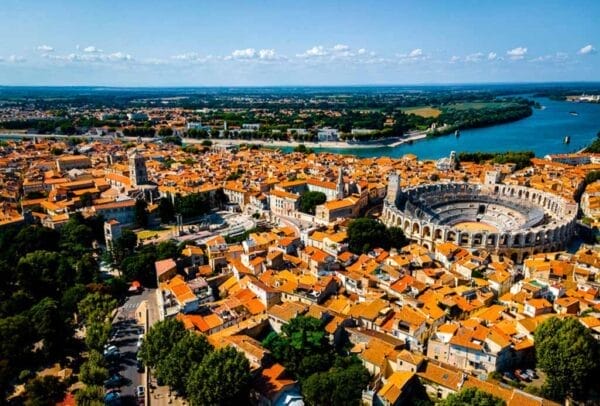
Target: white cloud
{"x": 45, "y": 48}
{"x": 91, "y": 57}
{"x": 267, "y": 54}
{"x": 90, "y": 49}
{"x": 517, "y": 53}
{"x": 454, "y": 59}
{"x": 361, "y": 51}
{"x": 16, "y": 59}
{"x": 247, "y": 53}
{"x": 189, "y": 57}
{"x": 556, "y": 57}
{"x": 119, "y": 56}
{"x": 492, "y": 56}
{"x": 340, "y": 47}
{"x": 416, "y": 53}
{"x": 476, "y": 57}
{"x": 587, "y": 50}
{"x": 317, "y": 50}
{"x": 251, "y": 53}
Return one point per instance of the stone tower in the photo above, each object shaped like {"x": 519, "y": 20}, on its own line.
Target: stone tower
{"x": 393, "y": 188}
{"x": 138, "y": 175}
{"x": 340, "y": 184}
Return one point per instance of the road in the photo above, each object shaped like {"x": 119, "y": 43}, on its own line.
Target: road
{"x": 131, "y": 326}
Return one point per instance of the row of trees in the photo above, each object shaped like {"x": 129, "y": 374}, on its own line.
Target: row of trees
{"x": 364, "y": 234}
{"x": 44, "y": 276}
{"x": 460, "y": 117}
{"x": 189, "y": 364}
{"x": 521, "y": 159}
{"x": 95, "y": 311}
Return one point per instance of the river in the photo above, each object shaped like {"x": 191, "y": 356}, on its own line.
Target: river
{"x": 543, "y": 133}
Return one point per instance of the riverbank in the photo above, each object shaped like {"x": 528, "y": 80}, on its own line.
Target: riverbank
{"x": 384, "y": 143}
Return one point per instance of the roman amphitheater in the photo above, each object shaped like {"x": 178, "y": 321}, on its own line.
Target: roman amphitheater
{"x": 512, "y": 221}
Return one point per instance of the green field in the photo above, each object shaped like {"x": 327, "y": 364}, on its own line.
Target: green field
{"x": 423, "y": 111}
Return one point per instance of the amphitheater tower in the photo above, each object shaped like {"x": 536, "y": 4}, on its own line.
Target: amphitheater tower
{"x": 393, "y": 188}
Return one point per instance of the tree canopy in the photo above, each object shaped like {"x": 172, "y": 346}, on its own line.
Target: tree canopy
{"x": 569, "y": 355}
{"x": 185, "y": 355}
{"x": 222, "y": 378}
{"x": 326, "y": 377}
{"x": 309, "y": 200}
{"x": 160, "y": 340}
{"x": 471, "y": 397}
{"x": 365, "y": 234}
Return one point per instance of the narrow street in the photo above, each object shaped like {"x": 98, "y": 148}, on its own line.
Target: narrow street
{"x": 128, "y": 327}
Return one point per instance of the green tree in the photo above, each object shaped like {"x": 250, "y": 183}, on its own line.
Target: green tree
{"x": 185, "y": 355}
{"x": 124, "y": 246}
{"x": 96, "y": 334}
{"x": 339, "y": 386}
{"x": 396, "y": 237}
{"x": 160, "y": 340}
{"x": 16, "y": 340}
{"x": 365, "y": 234}
{"x": 42, "y": 272}
{"x": 96, "y": 307}
{"x": 167, "y": 249}
{"x": 568, "y": 354}
{"x": 310, "y": 200}
{"x": 49, "y": 325}
{"x": 141, "y": 213}
{"x": 44, "y": 391}
{"x": 471, "y": 397}
{"x": 93, "y": 371}
{"x": 91, "y": 395}
{"x": 166, "y": 210}
{"x": 222, "y": 378}
{"x": 302, "y": 347}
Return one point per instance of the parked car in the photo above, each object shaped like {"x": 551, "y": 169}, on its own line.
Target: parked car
{"x": 509, "y": 375}
{"x": 110, "y": 349}
{"x": 522, "y": 375}
{"x": 114, "y": 381}
{"x": 140, "y": 392}
{"x": 531, "y": 373}
{"x": 112, "y": 398}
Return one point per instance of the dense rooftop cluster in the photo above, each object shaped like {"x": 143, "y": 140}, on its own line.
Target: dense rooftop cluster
{"x": 442, "y": 315}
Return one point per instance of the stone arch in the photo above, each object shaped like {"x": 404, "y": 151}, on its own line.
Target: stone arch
{"x": 416, "y": 229}
{"x": 529, "y": 238}
{"x": 427, "y": 231}
{"x": 451, "y": 236}
{"x": 438, "y": 234}
{"x": 464, "y": 238}
{"x": 477, "y": 239}
{"x": 518, "y": 240}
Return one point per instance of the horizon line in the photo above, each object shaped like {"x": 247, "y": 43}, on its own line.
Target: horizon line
{"x": 423, "y": 84}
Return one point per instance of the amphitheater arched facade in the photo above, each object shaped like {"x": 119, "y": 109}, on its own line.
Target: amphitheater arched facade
{"x": 529, "y": 221}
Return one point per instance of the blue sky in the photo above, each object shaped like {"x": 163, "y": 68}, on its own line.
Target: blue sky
{"x": 281, "y": 42}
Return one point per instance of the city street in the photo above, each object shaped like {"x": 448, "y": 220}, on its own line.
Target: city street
{"x": 128, "y": 325}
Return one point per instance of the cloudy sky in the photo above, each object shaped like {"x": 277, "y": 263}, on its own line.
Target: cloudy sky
{"x": 284, "y": 42}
